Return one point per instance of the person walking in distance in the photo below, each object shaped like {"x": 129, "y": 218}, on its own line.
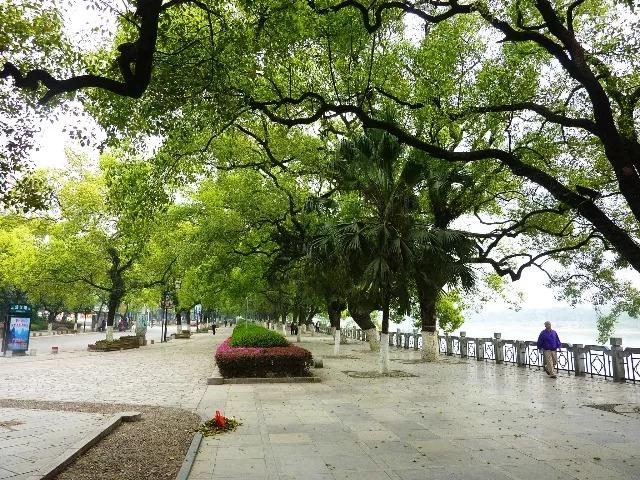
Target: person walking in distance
{"x": 549, "y": 343}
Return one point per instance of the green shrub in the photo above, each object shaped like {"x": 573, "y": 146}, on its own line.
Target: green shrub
{"x": 251, "y": 335}
{"x": 39, "y": 325}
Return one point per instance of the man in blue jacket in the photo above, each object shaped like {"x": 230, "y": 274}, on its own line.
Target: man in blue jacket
{"x": 549, "y": 342}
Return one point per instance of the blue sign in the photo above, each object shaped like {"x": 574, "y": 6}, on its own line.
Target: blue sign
{"x": 17, "y": 334}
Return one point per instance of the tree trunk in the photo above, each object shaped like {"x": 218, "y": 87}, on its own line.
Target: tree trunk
{"x": 334, "y": 308}
{"x": 178, "y": 322}
{"x": 51, "y": 318}
{"x": 117, "y": 290}
{"x": 300, "y": 323}
{"x": 363, "y": 320}
{"x": 384, "y": 339}
{"x": 187, "y": 319}
{"x": 427, "y": 296}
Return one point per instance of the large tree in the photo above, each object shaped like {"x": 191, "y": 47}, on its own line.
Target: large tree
{"x": 537, "y": 88}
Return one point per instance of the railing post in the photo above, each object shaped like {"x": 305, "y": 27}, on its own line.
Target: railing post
{"x": 479, "y": 348}
{"x": 391, "y": 339}
{"x": 415, "y": 340}
{"x": 463, "y": 345}
{"x": 449, "y": 343}
{"x": 617, "y": 362}
{"x": 521, "y": 353}
{"x": 407, "y": 336}
{"x": 579, "y": 359}
{"x": 497, "y": 348}
{"x": 398, "y": 342}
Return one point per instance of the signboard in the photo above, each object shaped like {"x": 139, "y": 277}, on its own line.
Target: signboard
{"x": 17, "y": 328}
{"x": 19, "y": 309}
{"x": 17, "y": 335}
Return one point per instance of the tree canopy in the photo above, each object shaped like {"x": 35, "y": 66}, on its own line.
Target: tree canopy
{"x": 518, "y": 121}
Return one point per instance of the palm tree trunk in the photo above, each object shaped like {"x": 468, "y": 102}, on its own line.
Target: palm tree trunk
{"x": 384, "y": 338}
{"x": 363, "y": 320}
{"x": 334, "y": 308}
{"x": 430, "y": 350}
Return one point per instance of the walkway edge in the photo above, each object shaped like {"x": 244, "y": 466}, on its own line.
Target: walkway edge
{"x": 190, "y": 457}
{"x": 248, "y": 380}
{"x": 73, "y": 452}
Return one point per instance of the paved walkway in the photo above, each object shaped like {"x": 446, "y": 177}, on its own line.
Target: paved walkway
{"x": 452, "y": 420}
{"x": 32, "y": 439}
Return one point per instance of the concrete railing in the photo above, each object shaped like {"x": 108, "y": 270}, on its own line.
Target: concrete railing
{"x": 612, "y": 362}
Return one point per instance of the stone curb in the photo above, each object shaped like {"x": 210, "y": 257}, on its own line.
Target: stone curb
{"x": 74, "y": 451}
{"x": 247, "y": 380}
{"x": 190, "y": 457}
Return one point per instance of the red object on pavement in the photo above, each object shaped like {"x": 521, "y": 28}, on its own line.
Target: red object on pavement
{"x": 220, "y": 420}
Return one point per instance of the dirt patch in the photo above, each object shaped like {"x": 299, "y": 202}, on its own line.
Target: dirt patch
{"x": 152, "y": 448}
{"x": 341, "y": 357}
{"x": 372, "y": 374}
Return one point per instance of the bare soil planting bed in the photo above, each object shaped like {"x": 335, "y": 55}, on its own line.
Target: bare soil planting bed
{"x": 152, "y": 448}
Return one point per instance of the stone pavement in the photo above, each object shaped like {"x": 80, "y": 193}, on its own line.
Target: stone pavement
{"x": 453, "y": 420}
{"x": 31, "y": 439}
{"x": 172, "y": 374}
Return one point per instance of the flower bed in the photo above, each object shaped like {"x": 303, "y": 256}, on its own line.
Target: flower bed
{"x": 289, "y": 361}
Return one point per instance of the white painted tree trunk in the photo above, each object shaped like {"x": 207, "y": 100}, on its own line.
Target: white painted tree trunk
{"x": 179, "y": 329}
{"x": 430, "y": 350}
{"x": 374, "y": 342}
{"x": 284, "y": 329}
{"x": 109, "y": 333}
{"x": 50, "y": 327}
{"x": 298, "y": 334}
{"x": 336, "y": 343}
{"x": 333, "y": 332}
{"x": 384, "y": 353}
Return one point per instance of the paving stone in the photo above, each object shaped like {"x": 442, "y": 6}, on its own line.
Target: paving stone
{"x": 295, "y": 438}
{"x": 455, "y": 420}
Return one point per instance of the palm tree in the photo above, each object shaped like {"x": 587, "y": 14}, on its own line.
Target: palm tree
{"x": 376, "y": 239}
{"x": 443, "y": 255}
{"x": 441, "y": 261}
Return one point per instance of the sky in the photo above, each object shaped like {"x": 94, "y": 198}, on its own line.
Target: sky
{"x": 52, "y": 140}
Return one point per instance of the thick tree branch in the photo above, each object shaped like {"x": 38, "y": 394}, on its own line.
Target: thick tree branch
{"x": 543, "y": 111}
{"x": 136, "y": 79}
{"x": 625, "y": 244}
